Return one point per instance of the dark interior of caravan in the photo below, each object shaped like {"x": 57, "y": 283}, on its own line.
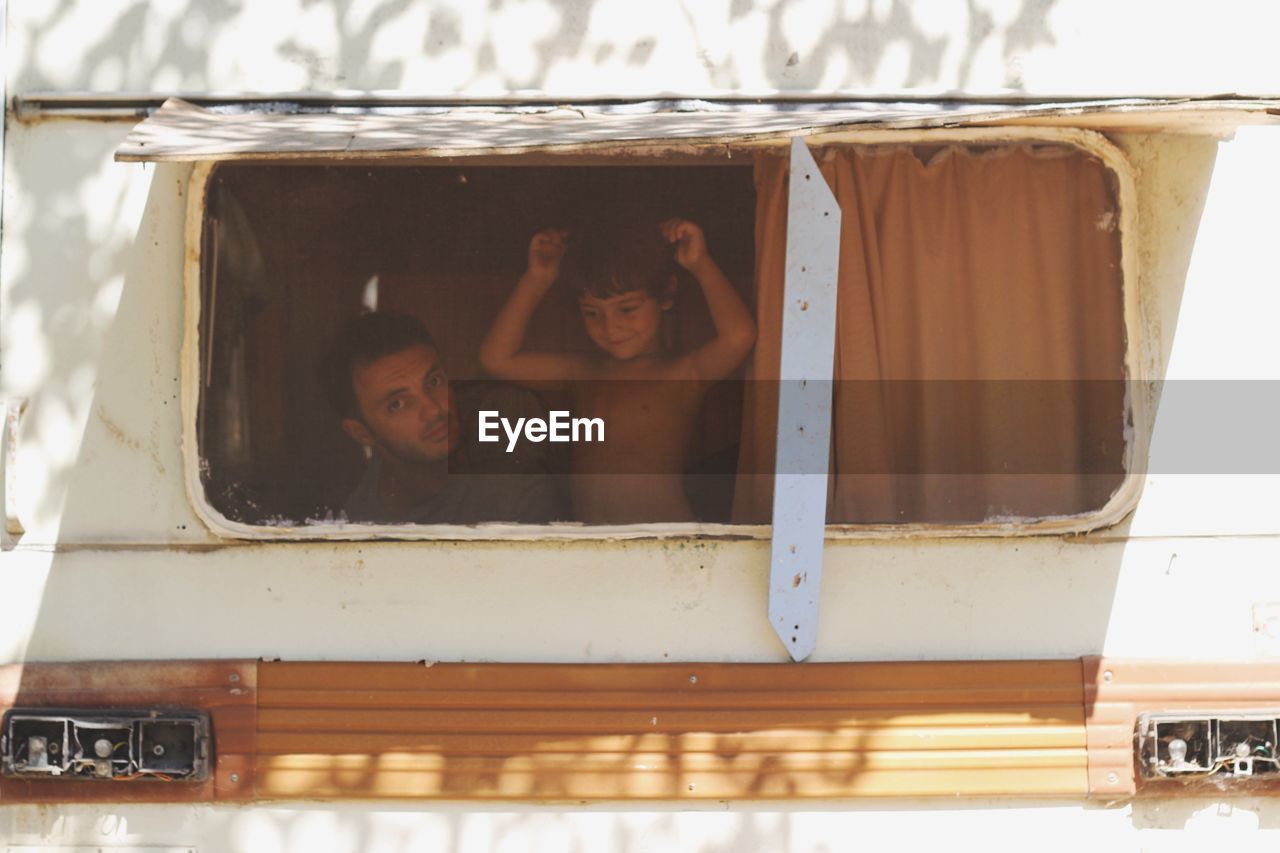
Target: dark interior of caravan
{"x": 980, "y": 329}
{"x": 302, "y": 249}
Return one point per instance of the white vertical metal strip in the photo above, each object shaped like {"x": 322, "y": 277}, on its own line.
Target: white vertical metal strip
{"x": 804, "y": 404}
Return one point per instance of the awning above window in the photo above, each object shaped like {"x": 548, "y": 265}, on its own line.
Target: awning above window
{"x": 179, "y": 130}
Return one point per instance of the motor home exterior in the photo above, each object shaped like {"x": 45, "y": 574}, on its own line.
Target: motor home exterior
{"x": 1095, "y": 674}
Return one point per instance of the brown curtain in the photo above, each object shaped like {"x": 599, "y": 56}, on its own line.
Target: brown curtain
{"x": 980, "y": 335}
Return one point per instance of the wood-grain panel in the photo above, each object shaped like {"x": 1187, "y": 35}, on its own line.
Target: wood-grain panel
{"x": 672, "y": 731}
{"x": 669, "y": 731}
{"x": 227, "y": 689}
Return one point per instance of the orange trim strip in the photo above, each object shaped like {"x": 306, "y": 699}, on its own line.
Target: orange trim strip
{"x": 670, "y": 731}
{"x": 648, "y": 731}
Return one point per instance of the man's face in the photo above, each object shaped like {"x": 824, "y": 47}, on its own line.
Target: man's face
{"x": 405, "y": 406}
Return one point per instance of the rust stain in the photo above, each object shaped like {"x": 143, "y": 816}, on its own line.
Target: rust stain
{"x": 114, "y": 430}
{"x": 125, "y": 440}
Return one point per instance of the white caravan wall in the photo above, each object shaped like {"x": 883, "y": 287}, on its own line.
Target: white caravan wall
{"x": 90, "y": 332}
{"x": 1008, "y": 826}
{"x": 603, "y": 47}
{"x": 90, "y": 309}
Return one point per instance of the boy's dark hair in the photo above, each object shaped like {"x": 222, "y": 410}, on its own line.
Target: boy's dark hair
{"x": 606, "y": 261}
{"x": 363, "y": 340}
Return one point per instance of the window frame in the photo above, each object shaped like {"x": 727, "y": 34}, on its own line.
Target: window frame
{"x": 1139, "y": 406}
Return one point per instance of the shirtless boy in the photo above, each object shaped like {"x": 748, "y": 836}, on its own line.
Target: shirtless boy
{"x": 647, "y": 397}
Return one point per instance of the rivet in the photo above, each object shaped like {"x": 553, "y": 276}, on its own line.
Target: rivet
{"x": 235, "y": 777}
{"x": 1107, "y": 676}
{"x": 690, "y": 786}
{"x": 1113, "y": 778}
{"x": 693, "y": 679}
{"x": 234, "y": 677}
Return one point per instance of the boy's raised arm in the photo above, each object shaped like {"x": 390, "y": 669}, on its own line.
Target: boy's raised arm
{"x": 735, "y": 330}
{"x": 501, "y": 351}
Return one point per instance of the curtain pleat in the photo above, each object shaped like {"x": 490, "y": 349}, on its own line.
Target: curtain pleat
{"x": 980, "y": 335}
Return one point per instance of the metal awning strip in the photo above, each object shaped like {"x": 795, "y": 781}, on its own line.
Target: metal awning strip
{"x": 179, "y": 130}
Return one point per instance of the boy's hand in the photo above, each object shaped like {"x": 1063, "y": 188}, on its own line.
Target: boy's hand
{"x": 546, "y": 250}
{"x": 691, "y": 245}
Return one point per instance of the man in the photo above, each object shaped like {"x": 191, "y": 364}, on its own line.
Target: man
{"x": 385, "y": 378}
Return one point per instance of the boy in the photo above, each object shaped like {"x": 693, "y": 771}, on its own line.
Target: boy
{"x": 623, "y": 291}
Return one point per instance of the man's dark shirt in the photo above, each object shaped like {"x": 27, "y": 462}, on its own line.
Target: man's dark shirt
{"x": 485, "y": 483}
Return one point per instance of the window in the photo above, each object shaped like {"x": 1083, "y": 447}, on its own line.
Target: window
{"x": 298, "y": 251}
{"x": 981, "y": 344}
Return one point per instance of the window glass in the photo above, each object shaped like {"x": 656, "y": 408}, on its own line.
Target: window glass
{"x": 980, "y": 345}
{"x": 295, "y": 253}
